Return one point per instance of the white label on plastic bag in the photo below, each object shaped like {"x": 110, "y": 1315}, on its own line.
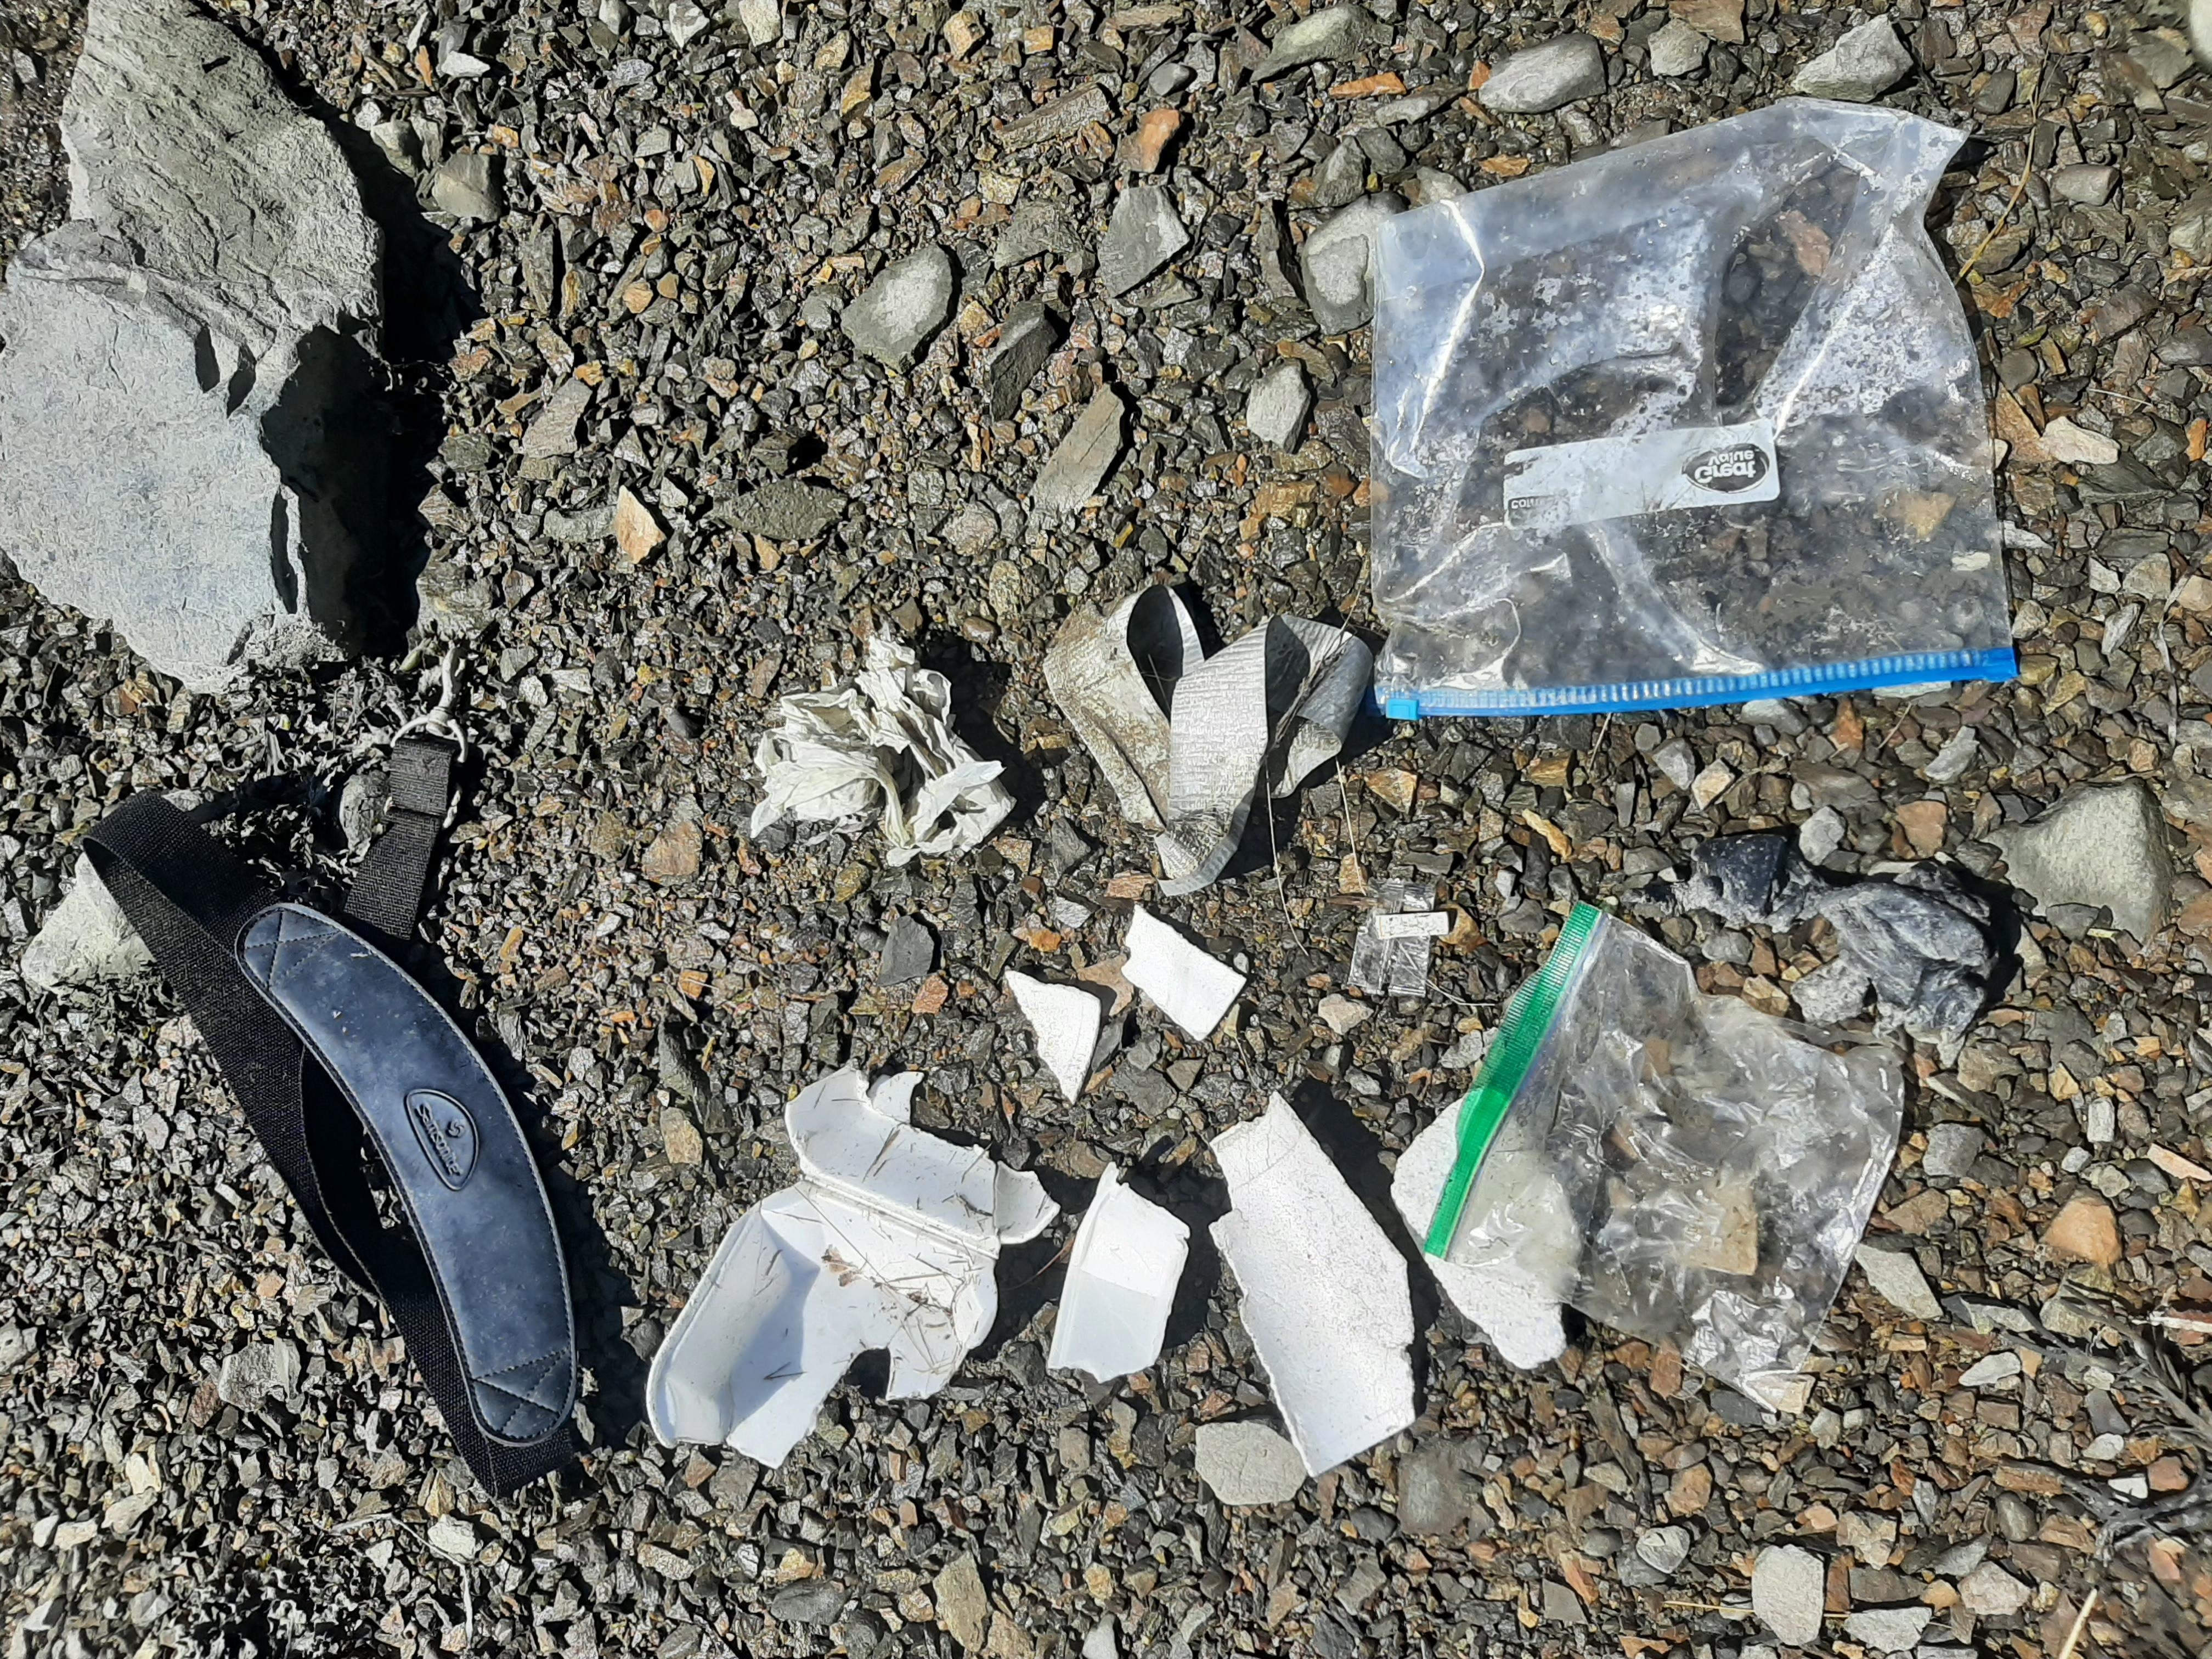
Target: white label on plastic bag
{"x": 1652, "y": 472}
{"x": 1413, "y": 924}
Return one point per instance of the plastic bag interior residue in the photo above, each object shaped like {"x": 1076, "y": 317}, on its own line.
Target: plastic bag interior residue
{"x": 1675, "y": 1165}
{"x": 1695, "y": 421}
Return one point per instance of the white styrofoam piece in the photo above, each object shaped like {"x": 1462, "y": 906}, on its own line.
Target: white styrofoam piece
{"x": 889, "y": 1239}
{"x": 1065, "y": 1020}
{"x": 1324, "y": 1290}
{"x": 1190, "y": 987}
{"x": 1517, "y": 1314}
{"x": 1122, "y": 1278}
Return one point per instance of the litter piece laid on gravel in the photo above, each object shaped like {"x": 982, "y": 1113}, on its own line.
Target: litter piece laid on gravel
{"x": 1189, "y": 986}
{"x": 889, "y": 1239}
{"x": 1920, "y": 941}
{"x": 1187, "y": 740}
{"x": 1122, "y": 1272}
{"x": 1390, "y": 953}
{"x": 1324, "y": 1292}
{"x": 881, "y": 745}
{"x": 1516, "y": 1311}
{"x": 1065, "y": 1020}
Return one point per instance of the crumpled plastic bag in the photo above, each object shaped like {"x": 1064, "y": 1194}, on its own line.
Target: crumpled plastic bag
{"x": 1924, "y": 945}
{"x": 880, "y": 746}
{"x": 1677, "y": 1165}
{"x": 1697, "y": 420}
{"x": 1187, "y": 740}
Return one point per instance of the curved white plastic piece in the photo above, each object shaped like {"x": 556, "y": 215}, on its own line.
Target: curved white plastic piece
{"x": 1122, "y": 1278}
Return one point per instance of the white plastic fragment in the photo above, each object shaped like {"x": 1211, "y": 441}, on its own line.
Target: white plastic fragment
{"x": 1517, "y": 1311}
{"x": 881, "y": 745}
{"x": 1065, "y": 1020}
{"x": 1121, "y": 1276}
{"x": 889, "y": 1239}
{"x": 1191, "y": 987}
{"x": 1187, "y": 740}
{"x": 1324, "y": 1292}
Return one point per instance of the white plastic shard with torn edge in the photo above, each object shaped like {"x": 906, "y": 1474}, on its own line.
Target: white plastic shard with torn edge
{"x": 1325, "y": 1298}
{"x": 881, "y": 745}
{"x": 1190, "y": 987}
{"x": 1187, "y": 740}
{"x": 1065, "y": 1020}
{"x": 1517, "y": 1306}
{"x": 890, "y": 1239}
{"x": 1121, "y": 1276}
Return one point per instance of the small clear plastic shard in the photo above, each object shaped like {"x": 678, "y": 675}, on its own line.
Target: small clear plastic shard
{"x": 889, "y": 1240}
{"x": 1190, "y": 987}
{"x": 1122, "y": 1278}
{"x": 1390, "y": 953}
{"x": 1187, "y": 740}
{"x": 1065, "y": 1020}
{"x": 1324, "y": 1291}
{"x": 881, "y": 745}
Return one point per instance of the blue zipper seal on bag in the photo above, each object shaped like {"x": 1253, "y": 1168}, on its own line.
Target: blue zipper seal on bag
{"x": 1913, "y": 668}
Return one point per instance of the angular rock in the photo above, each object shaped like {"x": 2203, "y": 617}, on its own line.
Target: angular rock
{"x": 1952, "y": 1150}
{"x": 788, "y": 510}
{"x": 1788, "y": 1593}
{"x": 907, "y": 303}
{"x": 1859, "y": 68}
{"x": 2085, "y": 1230}
{"x": 1435, "y": 1493}
{"x": 85, "y": 937}
{"x": 1663, "y": 1549}
{"x": 1338, "y": 260}
{"x": 1079, "y": 465}
{"x": 1144, "y": 234}
{"x": 910, "y": 951}
{"x": 1037, "y": 228}
{"x": 963, "y": 1607}
{"x": 552, "y": 431}
{"x": 1888, "y": 1630}
{"x": 1990, "y": 1592}
{"x": 256, "y": 1372}
{"x": 761, "y": 20}
{"x": 2089, "y": 186}
{"x": 1276, "y": 413}
{"x": 1677, "y": 49}
{"x": 1896, "y": 1277}
{"x": 467, "y": 186}
{"x": 183, "y": 449}
{"x": 1544, "y": 77}
{"x": 1329, "y": 36}
{"x": 811, "y": 1602}
{"x": 1244, "y": 1463}
{"x": 1026, "y": 342}
{"x": 2104, "y": 847}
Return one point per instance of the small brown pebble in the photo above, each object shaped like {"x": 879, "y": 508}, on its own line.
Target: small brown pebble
{"x": 674, "y": 854}
{"x": 2086, "y": 1230}
{"x": 932, "y": 995}
{"x": 2167, "y": 1474}
{"x": 1692, "y": 1490}
{"x": 1924, "y": 822}
{"x": 982, "y": 630}
{"x": 1141, "y": 150}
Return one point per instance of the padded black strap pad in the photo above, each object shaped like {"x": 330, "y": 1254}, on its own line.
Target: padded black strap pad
{"x": 454, "y": 1150}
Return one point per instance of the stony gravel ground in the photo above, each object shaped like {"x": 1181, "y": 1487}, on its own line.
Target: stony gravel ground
{"x": 212, "y": 1446}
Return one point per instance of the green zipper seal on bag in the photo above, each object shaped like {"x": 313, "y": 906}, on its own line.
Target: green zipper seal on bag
{"x": 1527, "y": 1022}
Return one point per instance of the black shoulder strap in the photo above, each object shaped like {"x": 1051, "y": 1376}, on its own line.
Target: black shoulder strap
{"x": 189, "y": 899}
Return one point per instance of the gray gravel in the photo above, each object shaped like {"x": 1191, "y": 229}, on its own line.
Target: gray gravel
{"x": 682, "y": 232}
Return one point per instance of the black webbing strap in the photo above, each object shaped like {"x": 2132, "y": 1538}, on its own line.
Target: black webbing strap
{"x": 189, "y": 898}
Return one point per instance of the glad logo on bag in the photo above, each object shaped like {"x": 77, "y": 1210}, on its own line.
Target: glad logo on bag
{"x": 1731, "y": 469}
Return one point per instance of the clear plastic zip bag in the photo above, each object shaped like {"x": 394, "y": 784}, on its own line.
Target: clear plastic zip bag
{"x": 1696, "y": 421}
{"x": 1676, "y": 1165}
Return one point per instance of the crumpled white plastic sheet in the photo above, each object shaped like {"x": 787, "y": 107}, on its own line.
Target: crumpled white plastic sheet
{"x": 890, "y": 1240}
{"x": 1187, "y": 740}
{"x": 881, "y": 745}
{"x": 1324, "y": 1291}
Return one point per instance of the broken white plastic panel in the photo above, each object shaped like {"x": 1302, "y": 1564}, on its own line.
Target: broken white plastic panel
{"x": 1324, "y": 1290}
{"x": 1191, "y": 987}
{"x": 881, "y": 745}
{"x": 1390, "y": 953}
{"x": 890, "y": 1239}
{"x": 1518, "y": 1310}
{"x": 1122, "y": 1277}
{"x": 1065, "y": 1020}
{"x": 1187, "y": 740}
